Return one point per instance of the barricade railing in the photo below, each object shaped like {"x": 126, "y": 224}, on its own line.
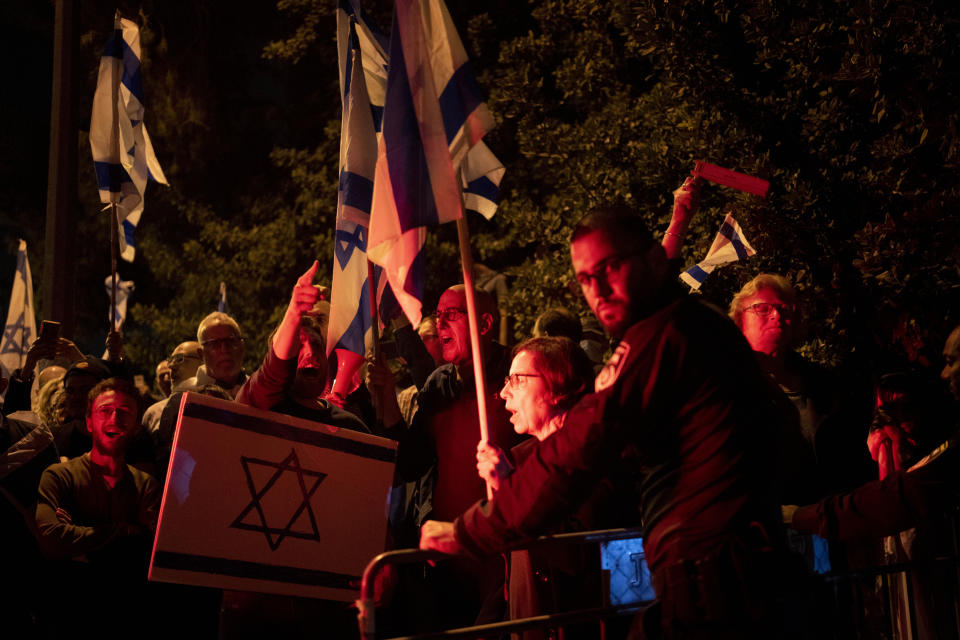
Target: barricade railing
{"x": 857, "y": 580}
{"x": 366, "y": 606}
{"x": 891, "y": 588}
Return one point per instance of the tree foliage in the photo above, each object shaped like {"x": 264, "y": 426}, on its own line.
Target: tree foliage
{"x": 849, "y": 109}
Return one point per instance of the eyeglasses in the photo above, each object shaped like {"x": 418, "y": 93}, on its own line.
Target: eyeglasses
{"x": 109, "y": 411}
{"x": 222, "y": 343}
{"x": 605, "y": 270}
{"x": 766, "y": 309}
{"x": 178, "y": 358}
{"x": 450, "y": 314}
{"x": 512, "y": 381}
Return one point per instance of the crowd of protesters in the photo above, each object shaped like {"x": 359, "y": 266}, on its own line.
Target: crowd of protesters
{"x": 737, "y": 456}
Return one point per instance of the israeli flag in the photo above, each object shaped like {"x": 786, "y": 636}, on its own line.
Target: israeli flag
{"x": 122, "y": 152}
{"x": 21, "y": 328}
{"x": 124, "y": 289}
{"x": 730, "y": 245}
{"x": 363, "y": 72}
{"x": 433, "y": 117}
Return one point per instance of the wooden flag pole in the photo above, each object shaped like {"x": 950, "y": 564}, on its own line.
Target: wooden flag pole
{"x": 374, "y": 312}
{"x": 374, "y": 325}
{"x": 466, "y": 259}
{"x": 112, "y": 355}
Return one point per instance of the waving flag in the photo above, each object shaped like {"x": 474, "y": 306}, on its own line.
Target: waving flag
{"x": 122, "y": 153}
{"x": 482, "y": 173}
{"x": 124, "y": 289}
{"x": 21, "y": 328}
{"x": 433, "y": 116}
{"x": 363, "y": 73}
{"x": 730, "y": 245}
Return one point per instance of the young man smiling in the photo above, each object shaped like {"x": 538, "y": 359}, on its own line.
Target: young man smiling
{"x": 96, "y": 504}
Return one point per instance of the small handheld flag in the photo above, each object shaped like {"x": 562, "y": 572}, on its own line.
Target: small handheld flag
{"x": 730, "y": 245}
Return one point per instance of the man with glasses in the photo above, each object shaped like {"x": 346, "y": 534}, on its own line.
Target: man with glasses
{"x": 438, "y": 452}
{"x": 183, "y": 362}
{"x": 222, "y": 349}
{"x": 681, "y": 417}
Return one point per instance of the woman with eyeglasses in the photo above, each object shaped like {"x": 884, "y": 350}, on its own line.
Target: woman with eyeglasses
{"x": 547, "y": 377}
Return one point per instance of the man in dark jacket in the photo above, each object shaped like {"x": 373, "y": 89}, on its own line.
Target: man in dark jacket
{"x": 680, "y": 408}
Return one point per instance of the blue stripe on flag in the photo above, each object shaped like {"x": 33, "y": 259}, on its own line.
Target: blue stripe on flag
{"x": 110, "y": 176}
{"x": 485, "y": 188}
{"x": 131, "y": 78}
{"x": 697, "y": 273}
{"x": 406, "y": 161}
{"x": 128, "y": 228}
{"x": 356, "y": 190}
{"x": 353, "y": 337}
{"x": 114, "y": 46}
{"x": 415, "y": 277}
{"x": 117, "y": 47}
{"x": 387, "y": 303}
{"x": 727, "y": 231}
{"x": 458, "y": 100}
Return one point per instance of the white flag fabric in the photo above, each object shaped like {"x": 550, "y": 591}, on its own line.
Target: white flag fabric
{"x": 730, "y": 245}
{"x": 124, "y": 289}
{"x": 482, "y": 172}
{"x": 122, "y": 152}
{"x": 21, "y": 328}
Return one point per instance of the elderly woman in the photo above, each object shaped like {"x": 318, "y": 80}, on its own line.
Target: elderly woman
{"x": 547, "y": 377}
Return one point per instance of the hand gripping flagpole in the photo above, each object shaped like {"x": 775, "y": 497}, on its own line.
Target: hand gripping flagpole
{"x": 466, "y": 260}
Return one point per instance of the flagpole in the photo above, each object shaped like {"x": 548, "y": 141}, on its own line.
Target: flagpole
{"x": 374, "y": 314}
{"x": 374, "y": 325}
{"x": 112, "y": 355}
{"x": 466, "y": 260}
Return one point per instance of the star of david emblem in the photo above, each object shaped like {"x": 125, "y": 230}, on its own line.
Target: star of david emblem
{"x": 289, "y": 484}
{"x": 11, "y": 342}
{"x": 347, "y": 242}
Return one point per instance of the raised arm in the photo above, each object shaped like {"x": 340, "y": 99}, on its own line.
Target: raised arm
{"x": 268, "y": 384}
{"x": 686, "y": 201}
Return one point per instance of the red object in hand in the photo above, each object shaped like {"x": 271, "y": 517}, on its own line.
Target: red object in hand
{"x": 734, "y": 179}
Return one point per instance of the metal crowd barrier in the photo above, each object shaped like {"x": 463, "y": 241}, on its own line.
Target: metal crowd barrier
{"x": 366, "y": 615}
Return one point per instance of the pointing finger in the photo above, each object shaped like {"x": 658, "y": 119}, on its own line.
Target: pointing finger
{"x": 307, "y": 277}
